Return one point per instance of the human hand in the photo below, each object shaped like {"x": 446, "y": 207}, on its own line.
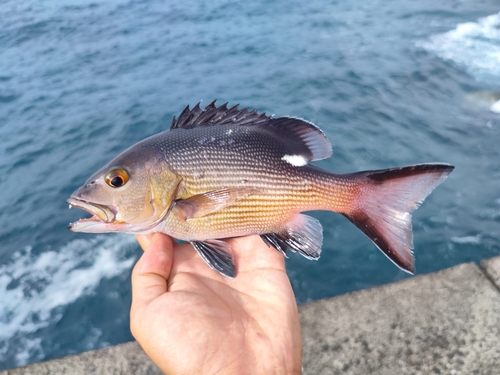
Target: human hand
{"x": 191, "y": 320}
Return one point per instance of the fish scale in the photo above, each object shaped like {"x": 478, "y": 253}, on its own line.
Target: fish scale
{"x": 223, "y": 172}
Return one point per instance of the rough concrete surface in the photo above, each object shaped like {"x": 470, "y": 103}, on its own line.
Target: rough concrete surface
{"x": 442, "y": 323}
{"x": 123, "y": 359}
{"x": 492, "y": 268}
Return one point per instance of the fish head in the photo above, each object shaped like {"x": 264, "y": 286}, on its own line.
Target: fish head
{"x": 132, "y": 193}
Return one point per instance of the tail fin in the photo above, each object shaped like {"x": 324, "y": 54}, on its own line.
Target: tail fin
{"x": 387, "y": 198}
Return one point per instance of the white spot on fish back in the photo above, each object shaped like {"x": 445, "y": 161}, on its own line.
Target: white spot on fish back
{"x": 295, "y": 160}
{"x": 229, "y": 132}
{"x": 206, "y": 141}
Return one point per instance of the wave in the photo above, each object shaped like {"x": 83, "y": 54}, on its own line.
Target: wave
{"x": 472, "y": 45}
{"x": 33, "y": 288}
{"x": 475, "y": 240}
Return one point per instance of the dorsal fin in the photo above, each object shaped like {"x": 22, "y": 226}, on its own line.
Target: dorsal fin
{"x": 212, "y": 115}
{"x": 304, "y": 140}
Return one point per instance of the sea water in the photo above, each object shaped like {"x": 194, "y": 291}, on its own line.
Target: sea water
{"x": 389, "y": 82}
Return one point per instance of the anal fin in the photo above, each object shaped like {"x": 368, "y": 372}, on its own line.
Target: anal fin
{"x": 273, "y": 239}
{"x": 302, "y": 234}
{"x": 218, "y": 255}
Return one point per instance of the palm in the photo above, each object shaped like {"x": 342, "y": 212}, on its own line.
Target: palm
{"x": 201, "y": 322}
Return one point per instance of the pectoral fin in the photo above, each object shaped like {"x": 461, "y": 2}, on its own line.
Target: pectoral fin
{"x": 218, "y": 255}
{"x": 212, "y": 201}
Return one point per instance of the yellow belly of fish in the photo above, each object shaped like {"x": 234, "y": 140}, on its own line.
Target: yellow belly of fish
{"x": 262, "y": 213}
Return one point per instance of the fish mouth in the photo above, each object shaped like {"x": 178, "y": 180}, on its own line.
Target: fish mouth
{"x": 101, "y": 214}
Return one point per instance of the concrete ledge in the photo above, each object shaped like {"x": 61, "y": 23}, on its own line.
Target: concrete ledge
{"x": 442, "y": 323}
{"x": 123, "y": 359}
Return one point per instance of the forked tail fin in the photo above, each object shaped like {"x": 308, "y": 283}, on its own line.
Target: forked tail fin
{"x": 385, "y": 202}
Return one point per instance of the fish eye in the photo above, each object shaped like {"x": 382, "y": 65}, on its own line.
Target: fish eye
{"x": 117, "y": 177}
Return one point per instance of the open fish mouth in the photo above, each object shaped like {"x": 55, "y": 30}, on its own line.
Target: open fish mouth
{"x": 100, "y": 214}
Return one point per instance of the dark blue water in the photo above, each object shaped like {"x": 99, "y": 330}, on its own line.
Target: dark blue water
{"x": 390, "y": 83}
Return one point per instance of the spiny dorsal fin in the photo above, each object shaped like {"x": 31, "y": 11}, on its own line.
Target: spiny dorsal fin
{"x": 304, "y": 140}
{"x": 212, "y": 115}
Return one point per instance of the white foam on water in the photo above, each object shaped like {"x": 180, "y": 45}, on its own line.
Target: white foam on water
{"x": 33, "y": 287}
{"x": 473, "y": 45}
{"x": 495, "y": 107}
{"x": 475, "y": 240}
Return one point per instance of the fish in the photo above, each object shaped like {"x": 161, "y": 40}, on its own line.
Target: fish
{"x": 221, "y": 172}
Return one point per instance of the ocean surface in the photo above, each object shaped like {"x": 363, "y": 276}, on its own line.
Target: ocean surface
{"x": 390, "y": 83}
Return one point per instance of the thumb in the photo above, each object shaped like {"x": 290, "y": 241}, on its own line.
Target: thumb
{"x": 150, "y": 274}
{"x": 144, "y": 239}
